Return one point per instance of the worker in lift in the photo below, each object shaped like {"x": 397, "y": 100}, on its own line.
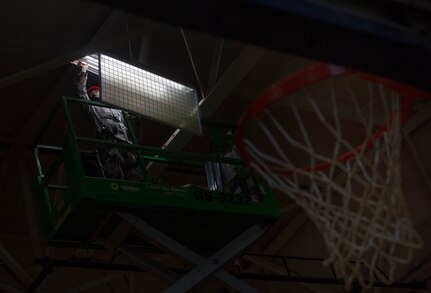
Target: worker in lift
{"x": 109, "y": 124}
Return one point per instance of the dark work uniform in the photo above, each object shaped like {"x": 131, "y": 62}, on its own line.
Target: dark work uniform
{"x": 109, "y": 124}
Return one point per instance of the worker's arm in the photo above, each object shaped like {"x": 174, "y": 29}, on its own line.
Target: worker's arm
{"x": 81, "y": 82}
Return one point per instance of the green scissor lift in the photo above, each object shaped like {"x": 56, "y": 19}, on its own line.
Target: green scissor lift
{"x": 198, "y": 218}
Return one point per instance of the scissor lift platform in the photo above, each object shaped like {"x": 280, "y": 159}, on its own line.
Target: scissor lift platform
{"x": 194, "y": 216}
{"x": 197, "y": 218}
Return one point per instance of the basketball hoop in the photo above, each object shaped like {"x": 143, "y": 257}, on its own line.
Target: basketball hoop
{"x": 350, "y": 187}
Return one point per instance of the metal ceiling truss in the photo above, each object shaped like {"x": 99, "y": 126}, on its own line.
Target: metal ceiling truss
{"x": 194, "y": 61}
{"x": 283, "y": 273}
{"x": 34, "y": 122}
{"x": 224, "y": 86}
{"x": 179, "y": 282}
{"x": 204, "y": 267}
{"x": 372, "y": 36}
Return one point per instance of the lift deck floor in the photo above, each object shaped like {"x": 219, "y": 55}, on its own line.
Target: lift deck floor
{"x": 197, "y": 218}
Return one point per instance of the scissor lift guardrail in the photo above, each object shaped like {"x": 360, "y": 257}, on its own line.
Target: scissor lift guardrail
{"x": 196, "y": 217}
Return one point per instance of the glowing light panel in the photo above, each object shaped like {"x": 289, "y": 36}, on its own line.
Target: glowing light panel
{"x": 149, "y": 94}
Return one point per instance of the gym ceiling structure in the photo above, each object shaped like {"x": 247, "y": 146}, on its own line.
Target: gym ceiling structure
{"x": 230, "y": 51}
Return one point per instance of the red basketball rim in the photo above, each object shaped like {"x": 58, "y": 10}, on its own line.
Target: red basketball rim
{"x": 311, "y": 75}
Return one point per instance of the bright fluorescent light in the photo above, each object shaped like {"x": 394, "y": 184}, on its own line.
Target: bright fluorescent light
{"x": 93, "y": 63}
{"x": 143, "y": 92}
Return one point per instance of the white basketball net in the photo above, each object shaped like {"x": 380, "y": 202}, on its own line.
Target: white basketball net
{"x": 357, "y": 205}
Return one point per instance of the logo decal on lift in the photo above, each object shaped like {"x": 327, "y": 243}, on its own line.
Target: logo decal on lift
{"x": 130, "y": 188}
{"x": 115, "y": 186}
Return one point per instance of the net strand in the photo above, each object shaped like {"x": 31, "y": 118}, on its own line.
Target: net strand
{"x": 357, "y": 204}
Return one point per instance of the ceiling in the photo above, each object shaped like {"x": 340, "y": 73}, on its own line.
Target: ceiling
{"x": 231, "y": 56}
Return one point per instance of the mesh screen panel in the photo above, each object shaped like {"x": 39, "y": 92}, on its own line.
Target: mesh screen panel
{"x": 149, "y": 94}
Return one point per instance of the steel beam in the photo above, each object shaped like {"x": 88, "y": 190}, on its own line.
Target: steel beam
{"x": 32, "y": 227}
{"x": 85, "y": 264}
{"x": 94, "y": 283}
{"x": 286, "y": 234}
{"x": 138, "y": 258}
{"x": 47, "y": 269}
{"x": 216, "y": 261}
{"x": 365, "y": 35}
{"x": 144, "y": 50}
{"x": 193, "y": 60}
{"x": 132, "y": 285}
{"x": 10, "y": 288}
{"x": 37, "y": 119}
{"x": 239, "y": 68}
{"x": 215, "y": 65}
{"x": 225, "y": 85}
{"x": 161, "y": 240}
{"x": 279, "y": 276}
{"x": 62, "y": 60}
{"x": 15, "y": 266}
{"x": 96, "y": 44}
{"x": 327, "y": 281}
